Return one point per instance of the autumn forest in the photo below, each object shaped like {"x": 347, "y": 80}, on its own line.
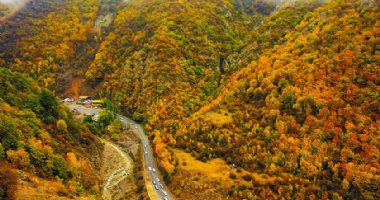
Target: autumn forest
{"x": 240, "y": 99}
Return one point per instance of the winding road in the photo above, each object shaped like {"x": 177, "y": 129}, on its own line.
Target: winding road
{"x": 159, "y": 187}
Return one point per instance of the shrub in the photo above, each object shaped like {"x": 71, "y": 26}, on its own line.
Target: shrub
{"x": 288, "y": 101}
{"x": 61, "y": 125}
{"x": 115, "y": 127}
{"x": 140, "y": 118}
{"x": 19, "y": 158}
{"x": 59, "y": 167}
{"x": 247, "y": 177}
{"x": 92, "y": 128}
{"x": 2, "y": 152}
{"x": 39, "y": 159}
{"x": 233, "y": 176}
{"x": 105, "y": 118}
{"x": 8, "y": 182}
{"x": 282, "y": 84}
{"x": 9, "y": 136}
{"x": 49, "y": 106}
{"x": 115, "y": 136}
{"x": 87, "y": 119}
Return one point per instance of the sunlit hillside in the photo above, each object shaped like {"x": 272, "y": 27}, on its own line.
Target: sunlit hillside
{"x": 239, "y": 99}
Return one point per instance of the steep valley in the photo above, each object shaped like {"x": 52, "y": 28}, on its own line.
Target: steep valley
{"x": 240, "y": 99}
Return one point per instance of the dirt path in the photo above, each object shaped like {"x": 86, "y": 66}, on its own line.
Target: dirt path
{"x": 117, "y": 165}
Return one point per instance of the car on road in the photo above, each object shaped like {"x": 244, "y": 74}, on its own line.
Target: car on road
{"x": 165, "y": 198}
{"x": 87, "y": 102}
{"x": 158, "y": 180}
{"x": 161, "y": 186}
{"x": 156, "y": 187}
{"x": 135, "y": 126}
{"x": 154, "y": 170}
{"x": 150, "y": 169}
{"x": 164, "y": 192}
{"x": 68, "y": 100}
{"x": 146, "y": 152}
{"x": 145, "y": 145}
{"x": 154, "y": 182}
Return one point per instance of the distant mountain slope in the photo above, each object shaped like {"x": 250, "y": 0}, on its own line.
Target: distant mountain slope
{"x": 44, "y": 38}
{"x": 4, "y": 11}
{"x": 39, "y": 137}
{"x": 14, "y": 3}
{"x": 159, "y": 49}
{"x": 308, "y": 107}
{"x": 53, "y": 41}
{"x": 269, "y": 33}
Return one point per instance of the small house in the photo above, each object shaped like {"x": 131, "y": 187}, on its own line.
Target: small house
{"x": 84, "y": 98}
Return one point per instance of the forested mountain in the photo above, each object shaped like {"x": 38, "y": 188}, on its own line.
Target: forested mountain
{"x": 285, "y": 93}
{"x": 159, "y": 49}
{"x": 53, "y": 41}
{"x": 290, "y": 110}
{"x": 4, "y": 11}
{"x": 163, "y": 60}
{"x": 40, "y": 140}
{"x": 308, "y": 107}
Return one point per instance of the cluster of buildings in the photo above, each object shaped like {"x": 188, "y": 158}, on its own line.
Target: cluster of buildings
{"x": 85, "y": 100}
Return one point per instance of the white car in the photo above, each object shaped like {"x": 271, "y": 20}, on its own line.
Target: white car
{"x": 145, "y": 145}
{"x": 135, "y": 126}
{"x": 163, "y": 191}
{"x": 156, "y": 187}
{"x": 165, "y": 198}
{"x": 68, "y": 100}
{"x": 158, "y": 180}
{"x": 150, "y": 169}
{"x": 154, "y": 182}
{"x": 154, "y": 170}
{"x": 146, "y": 152}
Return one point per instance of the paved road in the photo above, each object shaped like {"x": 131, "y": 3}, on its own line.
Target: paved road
{"x": 160, "y": 188}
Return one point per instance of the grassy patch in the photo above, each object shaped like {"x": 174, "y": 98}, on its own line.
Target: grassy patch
{"x": 219, "y": 117}
{"x": 218, "y": 169}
